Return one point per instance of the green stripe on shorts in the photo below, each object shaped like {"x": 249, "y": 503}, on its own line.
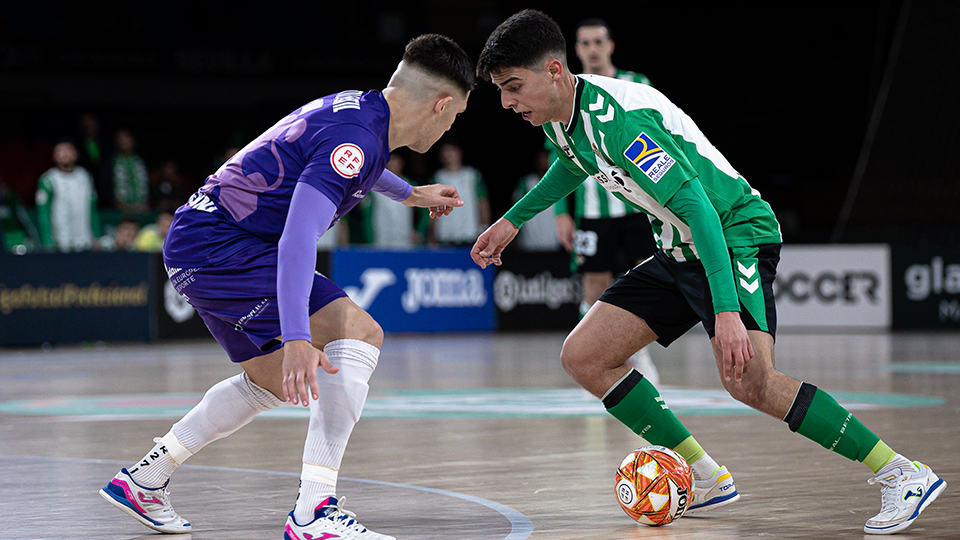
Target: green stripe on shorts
{"x": 746, "y": 274}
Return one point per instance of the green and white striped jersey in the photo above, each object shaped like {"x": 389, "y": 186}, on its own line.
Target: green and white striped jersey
{"x": 590, "y": 201}
{"x": 643, "y": 149}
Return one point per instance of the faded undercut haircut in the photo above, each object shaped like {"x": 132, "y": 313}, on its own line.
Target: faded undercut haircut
{"x": 442, "y": 57}
{"x": 524, "y": 40}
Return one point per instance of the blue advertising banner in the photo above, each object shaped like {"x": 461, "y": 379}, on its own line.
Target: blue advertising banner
{"x": 435, "y": 290}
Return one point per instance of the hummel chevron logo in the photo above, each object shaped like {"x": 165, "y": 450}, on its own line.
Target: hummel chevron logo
{"x": 608, "y": 116}
{"x": 593, "y": 107}
{"x": 748, "y": 272}
{"x": 918, "y": 493}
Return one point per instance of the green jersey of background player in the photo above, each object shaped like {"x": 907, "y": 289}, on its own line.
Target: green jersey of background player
{"x": 640, "y": 146}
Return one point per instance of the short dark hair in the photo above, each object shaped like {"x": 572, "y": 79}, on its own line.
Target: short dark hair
{"x": 523, "y": 40}
{"x": 595, "y": 21}
{"x": 441, "y": 56}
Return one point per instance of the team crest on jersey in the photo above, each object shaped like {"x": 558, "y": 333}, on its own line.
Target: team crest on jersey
{"x": 347, "y": 160}
{"x": 647, "y": 155}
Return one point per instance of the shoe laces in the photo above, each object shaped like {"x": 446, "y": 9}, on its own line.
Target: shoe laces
{"x": 888, "y": 490}
{"x": 344, "y": 517}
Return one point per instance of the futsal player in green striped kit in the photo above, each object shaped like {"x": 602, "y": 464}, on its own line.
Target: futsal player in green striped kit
{"x": 719, "y": 245}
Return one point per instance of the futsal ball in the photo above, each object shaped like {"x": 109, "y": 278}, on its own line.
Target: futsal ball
{"x": 654, "y": 485}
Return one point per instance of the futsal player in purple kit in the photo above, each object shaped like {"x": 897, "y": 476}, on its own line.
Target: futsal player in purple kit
{"x": 242, "y": 251}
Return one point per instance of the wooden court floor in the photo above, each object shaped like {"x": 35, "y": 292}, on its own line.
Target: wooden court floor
{"x": 474, "y": 436}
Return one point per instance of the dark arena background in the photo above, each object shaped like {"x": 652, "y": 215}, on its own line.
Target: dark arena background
{"x": 843, "y": 115}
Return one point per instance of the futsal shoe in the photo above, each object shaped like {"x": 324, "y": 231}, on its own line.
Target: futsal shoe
{"x": 148, "y": 506}
{"x": 903, "y": 495}
{"x": 713, "y": 492}
{"x": 330, "y": 520}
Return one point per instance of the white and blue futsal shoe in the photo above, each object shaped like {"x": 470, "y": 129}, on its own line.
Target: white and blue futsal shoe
{"x": 148, "y": 506}
{"x": 903, "y": 495}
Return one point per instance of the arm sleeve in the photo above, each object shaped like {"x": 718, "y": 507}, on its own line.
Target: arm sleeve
{"x": 690, "y": 203}
{"x": 393, "y": 186}
{"x": 44, "y": 200}
{"x": 555, "y": 185}
{"x": 309, "y": 217}
{"x": 94, "y": 213}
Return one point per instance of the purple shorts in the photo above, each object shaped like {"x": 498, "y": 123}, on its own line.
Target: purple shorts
{"x": 237, "y": 298}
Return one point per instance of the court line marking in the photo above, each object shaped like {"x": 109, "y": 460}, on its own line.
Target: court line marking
{"x": 520, "y": 525}
{"x": 447, "y": 404}
{"x": 940, "y": 368}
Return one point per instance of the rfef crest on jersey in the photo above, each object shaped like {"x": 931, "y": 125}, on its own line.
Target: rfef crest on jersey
{"x": 347, "y": 160}
{"x": 647, "y": 155}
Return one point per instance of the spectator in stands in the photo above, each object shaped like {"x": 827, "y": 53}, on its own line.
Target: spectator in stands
{"x": 16, "y": 228}
{"x": 131, "y": 183}
{"x": 123, "y": 235}
{"x": 474, "y": 216}
{"x": 393, "y": 225}
{"x": 67, "y": 203}
{"x": 167, "y": 192}
{"x": 151, "y": 237}
{"x": 92, "y": 158}
{"x": 538, "y": 234}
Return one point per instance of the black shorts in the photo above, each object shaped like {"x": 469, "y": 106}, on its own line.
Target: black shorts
{"x": 673, "y": 296}
{"x": 612, "y": 244}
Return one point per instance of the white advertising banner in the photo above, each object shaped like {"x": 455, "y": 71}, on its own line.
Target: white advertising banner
{"x": 836, "y": 286}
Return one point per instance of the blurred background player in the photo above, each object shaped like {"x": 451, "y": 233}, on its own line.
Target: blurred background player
{"x": 538, "y": 234}
{"x": 131, "y": 183}
{"x": 388, "y": 225}
{"x": 475, "y": 214}
{"x": 67, "y": 215}
{"x": 18, "y": 231}
{"x": 710, "y": 222}
{"x": 242, "y": 251}
{"x": 604, "y": 235}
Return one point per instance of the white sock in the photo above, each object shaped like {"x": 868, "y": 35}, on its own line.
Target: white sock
{"x": 155, "y": 468}
{"x": 704, "y": 467}
{"x": 898, "y": 461}
{"x": 332, "y": 418}
{"x": 226, "y": 407}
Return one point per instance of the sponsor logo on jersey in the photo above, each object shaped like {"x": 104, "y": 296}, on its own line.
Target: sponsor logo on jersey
{"x": 347, "y": 160}
{"x": 200, "y": 201}
{"x": 349, "y": 99}
{"x": 647, "y": 155}
{"x": 358, "y": 194}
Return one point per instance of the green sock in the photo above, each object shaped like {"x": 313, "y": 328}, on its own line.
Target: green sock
{"x": 818, "y": 417}
{"x": 637, "y": 404}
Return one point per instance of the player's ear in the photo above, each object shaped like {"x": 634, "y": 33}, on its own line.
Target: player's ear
{"x": 441, "y": 104}
{"x": 554, "y": 68}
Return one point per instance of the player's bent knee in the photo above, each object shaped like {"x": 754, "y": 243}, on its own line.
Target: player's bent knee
{"x": 746, "y": 392}
{"x": 573, "y": 357}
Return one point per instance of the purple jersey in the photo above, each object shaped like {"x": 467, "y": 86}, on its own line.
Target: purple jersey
{"x": 337, "y": 144}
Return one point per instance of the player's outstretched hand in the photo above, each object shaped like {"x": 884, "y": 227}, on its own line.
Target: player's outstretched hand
{"x": 734, "y": 342}
{"x": 439, "y": 198}
{"x": 300, "y": 362}
{"x": 491, "y": 242}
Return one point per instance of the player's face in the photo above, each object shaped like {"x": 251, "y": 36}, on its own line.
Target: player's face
{"x": 594, "y": 48}
{"x": 530, "y": 93}
{"x": 439, "y": 123}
